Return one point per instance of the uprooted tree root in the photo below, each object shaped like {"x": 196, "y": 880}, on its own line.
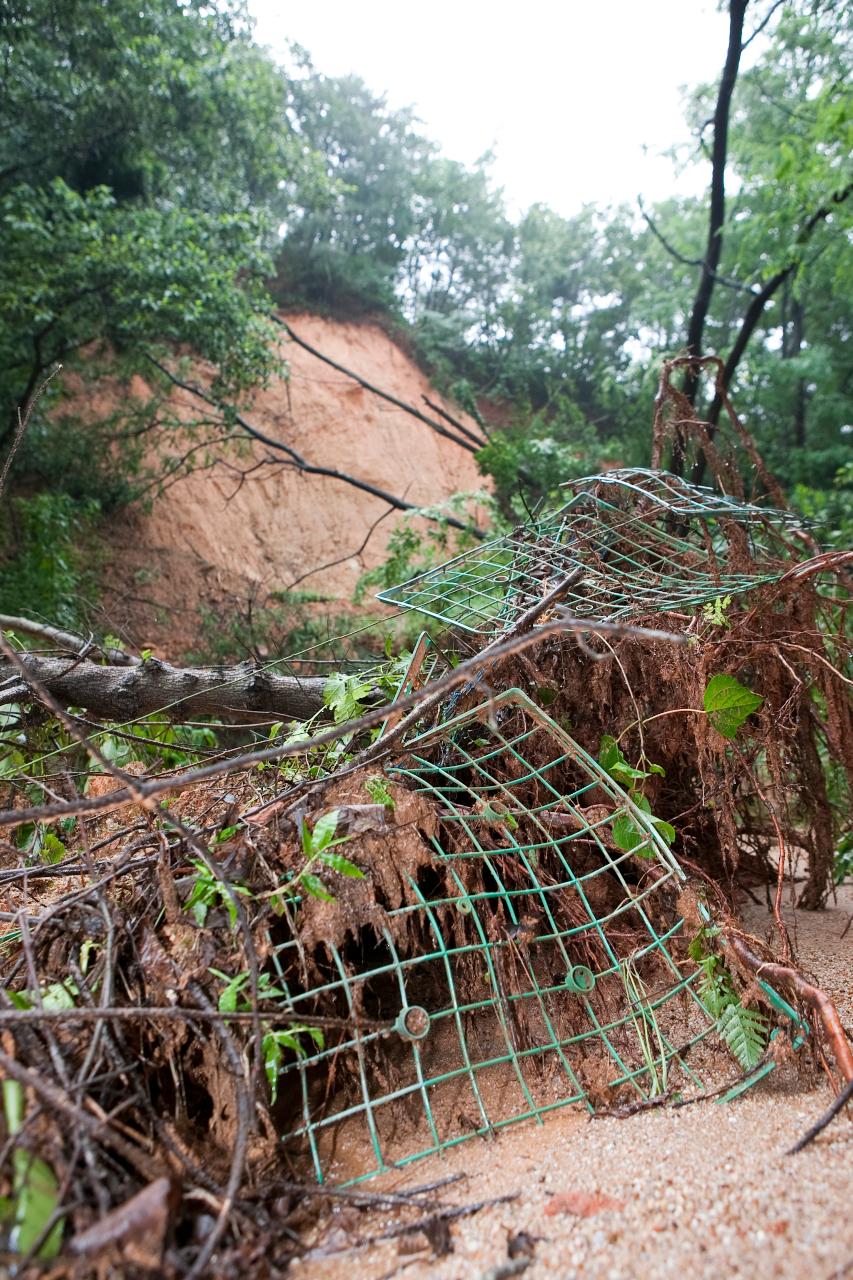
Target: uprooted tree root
{"x": 147, "y": 976}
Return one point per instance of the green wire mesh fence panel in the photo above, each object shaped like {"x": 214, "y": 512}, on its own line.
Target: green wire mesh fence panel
{"x": 677, "y": 496}
{"x": 521, "y": 963}
{"x": 647, "y": 542}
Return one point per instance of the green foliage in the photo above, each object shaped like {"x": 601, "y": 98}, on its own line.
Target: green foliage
{"x": 318, "y": 841}
{"x": 232, "y": 999}
{"x": 151, "y": 740}
{"x": 146, "y": 163}
{"x": 275, "y": 1043}
{"x": 627, "y": 833}
{"x": 43, "y": 540}
{"x": 345, "y": 696}
{"x": 729, "y": 704}
{"x": 35, "y": 1188}
{"x": 208, "y": 891}
{"x": 745, "y": 1031}
{"x": 413, "y": 547}
{"x": 377, "y": 789}
{"x": 830, "y": 509}
{"x": 715, "y": 612}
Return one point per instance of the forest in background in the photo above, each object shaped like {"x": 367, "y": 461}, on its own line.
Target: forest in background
{"x": 164, "y": 184}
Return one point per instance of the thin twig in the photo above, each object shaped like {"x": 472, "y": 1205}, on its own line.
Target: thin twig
{"x": 23, "y": 423}
{"x": 828, "y": 1116}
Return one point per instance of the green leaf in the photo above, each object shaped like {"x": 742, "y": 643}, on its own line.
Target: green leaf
{"x": 729, "y": 703}
{"x": 307, "y": 848}
{"x": 37, "y": 1192}
{"x": 626, "y": 835}
{"x": 228, "y": 998}
{"x": 314, "y": 886}
{"x": 665, "y": 829}
{"x": 225, "y": 834}
{"x": 275, "y": 1042}
{"x": 377, "y": 789}
{"x": 612, "y": 760}
{"x": 745, "y": 1033}
{"x": 324, "y": 830}
{"x": 52, "y": 849}
{"x": 59, "y": 995}
{"x": 342, "y": 865}
{"x": 343, "y": 694}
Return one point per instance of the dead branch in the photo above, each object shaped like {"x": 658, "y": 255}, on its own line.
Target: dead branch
{"x": 828, "y": 1116}
{"x": 472, "y": 444}
{"x": 370, "y": 720}
{"x": 123, "y": 693}
{"x": 23, "y": 423}
{"x": 310, "y": 468}
{"x": 67, "y": 641}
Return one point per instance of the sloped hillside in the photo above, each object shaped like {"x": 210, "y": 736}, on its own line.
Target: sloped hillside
{"x": 233, "y": 537}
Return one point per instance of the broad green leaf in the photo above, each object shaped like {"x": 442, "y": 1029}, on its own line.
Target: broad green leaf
{"x": 314, "y": 886}
{"x": 59, "y": 995}
{"x": 612, "y": 759}
{"x": 729, "y": 703}
{"x": 665, "y": 829}
{"x": 37, "y": 1197}
{"x": 324, "y": 830}
{"x": 342, "y": 865}
{"x": 52, "y": 849}
{"x": 626, "y": 835}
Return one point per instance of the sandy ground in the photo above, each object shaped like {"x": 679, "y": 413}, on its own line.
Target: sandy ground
{"x": 706, "y": 1191}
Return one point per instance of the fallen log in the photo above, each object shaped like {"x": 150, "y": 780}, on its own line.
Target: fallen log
{"x": 123, "y": 693}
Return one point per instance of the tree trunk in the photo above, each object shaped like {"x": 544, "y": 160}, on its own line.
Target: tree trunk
{"x": 717, "y": 212}
{"x": 791, "y": 349}
{"x": 123, "y": 693}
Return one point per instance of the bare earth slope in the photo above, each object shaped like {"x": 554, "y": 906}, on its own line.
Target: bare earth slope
{"x": 216, "y": 542}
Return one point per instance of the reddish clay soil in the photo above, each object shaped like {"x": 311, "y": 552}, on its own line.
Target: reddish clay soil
{"x": 214, "y": 543}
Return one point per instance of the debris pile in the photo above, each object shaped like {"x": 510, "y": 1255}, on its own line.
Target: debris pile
{"x": 503, "y": 891}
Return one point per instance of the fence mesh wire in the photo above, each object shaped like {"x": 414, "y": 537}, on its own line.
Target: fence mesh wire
{"x": 647, "y": 542}
{"x": 529, "y": 965}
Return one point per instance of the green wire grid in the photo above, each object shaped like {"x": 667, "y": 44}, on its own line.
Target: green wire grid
{"x": 679, "y": 497}
{"x": 647, "y": 542}
{"x": 497, "y": 991}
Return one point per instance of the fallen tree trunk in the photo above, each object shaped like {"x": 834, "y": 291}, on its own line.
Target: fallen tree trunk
{"x": 123, "y": 693}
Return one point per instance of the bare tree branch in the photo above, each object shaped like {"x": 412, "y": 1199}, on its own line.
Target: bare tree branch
{"x": 66, "y": 640}
{"x": 683, "y": 259}
{"x": 310, "y": 468}
{"x": 23, "y": 423}
{"x": 349, "y": 556}
{"x": 762, "y": 24}
{"x": 472, "y": 444}
{"x": 370, "y": 720}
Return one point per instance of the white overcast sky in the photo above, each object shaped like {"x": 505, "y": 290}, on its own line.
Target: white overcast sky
{"x": 578, "y": 99}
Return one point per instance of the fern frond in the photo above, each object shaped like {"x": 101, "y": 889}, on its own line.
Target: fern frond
{"x": 745, "y": 1033}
